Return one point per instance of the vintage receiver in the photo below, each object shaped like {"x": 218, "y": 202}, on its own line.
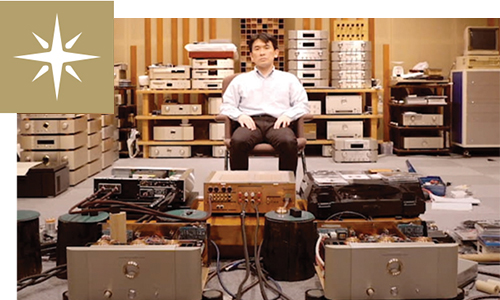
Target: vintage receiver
{"x": 169, "y": 151}
{"x": 75, "y": 158}
{"x": 207, "y": 84}
{"x": 226, "y": 191}
{"x": 350, "y": 56}
{"x": 307, "y": 44}
{"x": 351, "y": 74}
{"x": 166, "y": 72}
{"x": 181, "y": 109}
{"x": 160, "y": 84}
{"x": 355, "y": 144}
{"x": 173, "y": 133}
{"x": 214, "y": 104}
{"x": 200, "y": 63}
{"x": 477, "y": 62}
{"x": 355, "y": 150}
{"x": 166, "y": 272}
{"x": 212, "y": 73}
{"x": 53, "y": 126}
{"x": 153, "y": 187}
{"x": 314, "y": 107}
{"x": 218, "y": 151}
{"x": 351, "y": 65}
{"x": 416, "y": 119}
{"x": 308, "y": 34}
{"x": 216, "y": 131}
{"x": 307, "y": 65}
{"x": 314, "y": 83}
{"x": 296, "y": 54}
{"x": 355, "y": 156}
{"x": 343, "y": 104}
{"x": 55, "y": 142}
{"x": 344, "y": 129}
{"x": 51, "y": 116}
{"x": 332, "y": 192}
{"x": 423, "y": 143}
{"x": 94, "y": 139}
{"x": 351, "y": 84}
{"x": 338, "y": 46}
{"x": 404, "y": 270}
{"x": 310, "y": 74}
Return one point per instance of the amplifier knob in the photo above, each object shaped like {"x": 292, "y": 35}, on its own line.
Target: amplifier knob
{"x": 46, "y": 125}
{"x": 65, "y": 125}
{"x": 370, "y": 291}
{"x": 394, "y": 291}
{"x": 27, "y": 158}
{"x": 27, "y": 125}
{"x": 131, "y": 270}
{"x": 132, "y": 294}
{"x": 394, "y": 267}
{"x": 65, "y": 158}
{"x": 108, "y": 294}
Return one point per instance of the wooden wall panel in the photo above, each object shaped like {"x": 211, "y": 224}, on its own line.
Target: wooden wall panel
{"x": 147, "y": 41}
{"x": 159, "y": 40}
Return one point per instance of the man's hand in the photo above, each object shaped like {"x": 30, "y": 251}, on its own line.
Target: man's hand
{"x": 246, "y": 121}
{"x": 282, "y": 121}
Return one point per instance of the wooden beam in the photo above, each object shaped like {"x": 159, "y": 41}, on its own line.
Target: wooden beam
{"x": 133, "y": 64}
{"x": 147, "y": 42}
{"x": 371, "y": 38}
{"x": 318, "y": 23}
{"x": 387, "y": 90}
{"x": 185, "y": 40}
{"x": 174, "y": 34}
{"x": 200, "y": 29}
{"x": 159, "y": 40}
{"x": 212, "y": 26}
{"x": 306, "y": 24}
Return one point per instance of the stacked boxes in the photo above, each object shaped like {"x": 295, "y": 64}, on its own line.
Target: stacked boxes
{"x": 109, "y": 143}
{"x": 56, "y": 139}
{"x": 249, "y": 27}
{"x": 208, "y": 72}
{"x": 94, "y": 139}
{"x": 165, "y": 77}
{"x": 351, "y": 64}
{"x": 308, "y": 57}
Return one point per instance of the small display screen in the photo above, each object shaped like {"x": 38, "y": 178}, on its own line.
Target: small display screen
{"x": 45, "y": 142}
{"x": 483, "y": 39}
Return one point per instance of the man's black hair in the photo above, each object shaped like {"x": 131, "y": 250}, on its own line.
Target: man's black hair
{"x": 265, "y": 37}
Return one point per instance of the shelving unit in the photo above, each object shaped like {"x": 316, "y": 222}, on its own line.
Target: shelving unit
{"x": 147, "y": 120}
{"x": 429, "y": 135}
{"x": 125, "y": 110}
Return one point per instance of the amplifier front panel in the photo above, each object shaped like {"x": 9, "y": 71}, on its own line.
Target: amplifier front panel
{"x": 199, "y": 63}
{"x": 53, "y": 126}
{"x": 355, "y": 156}
{"x": 311, "y": 74}
{"x": 307, "y": 44}
{"x": 94, "y": 139}
{"x": 423, "y": 142}
{"x": 181, "y": 72}
{"x": 181, "y": 109}
{"x": 351, "y": 84}
{"x": 212, "y": 73}
{"x": 78, "y": 175}
{"x": 344, "y": 104}
{"x": 296, "y": 54}
{"x": 209, "y": 84}
{"x": 314, "y": 83}
{"x": 422, "y": 119}
{"x": 173, "y": 133}
{"x": 351, "y": 75}
{"x": 350, "y": 56}
{"x": 53, "y": 142}
{"x": 169, "y": 151}
{"x": 169, "y": 84}
{"x": 218, "y": 151}
{"x": 308, "y": 34}
{"x": 308, "y": 65}
{"x": 75, "y": 158}
{"x": 344, "y": 129}
{"x": 214, "y": 104}
{"x": 351, "y": 46}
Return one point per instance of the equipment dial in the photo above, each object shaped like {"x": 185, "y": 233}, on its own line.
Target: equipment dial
{"x": 394, "y": 267}
{"x": 131, "y": 269}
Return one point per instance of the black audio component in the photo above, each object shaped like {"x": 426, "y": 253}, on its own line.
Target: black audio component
{"x": 330, "y": 194}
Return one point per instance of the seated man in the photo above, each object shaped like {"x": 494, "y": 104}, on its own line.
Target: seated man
{"x": 264, "y": 102}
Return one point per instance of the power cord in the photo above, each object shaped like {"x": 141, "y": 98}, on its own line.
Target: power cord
{"x": 39, "y": 278}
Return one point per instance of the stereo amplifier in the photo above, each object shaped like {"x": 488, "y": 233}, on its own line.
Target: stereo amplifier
{"x": 223, "y": 63}
{"x": 160, "y": 84}
{"x": 181, "y": 109}
{"x": 227, "y": 191}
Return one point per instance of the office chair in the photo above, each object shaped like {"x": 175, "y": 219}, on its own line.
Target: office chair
{"x": 263, "y": 148}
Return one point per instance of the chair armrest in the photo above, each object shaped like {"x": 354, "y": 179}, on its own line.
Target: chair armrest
{"x": 227, "y": 127}
{"x": 300, "y": 124}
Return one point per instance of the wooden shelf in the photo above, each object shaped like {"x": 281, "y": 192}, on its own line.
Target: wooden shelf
{"x": 419, "y": 127}
{"x": 152, "y": 92}
{"x": 415, "y": 151}
{"x": 327, "y": 117}
{"x": 167, "y": 117}
{"x": 342, "y": 91}
{"x": 181, "y": 143}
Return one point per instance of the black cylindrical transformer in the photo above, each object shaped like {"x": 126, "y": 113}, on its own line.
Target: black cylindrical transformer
{"x": 288, "y": 246}
{"x": 29, "y": 254}
{"x": 77, "y": 230}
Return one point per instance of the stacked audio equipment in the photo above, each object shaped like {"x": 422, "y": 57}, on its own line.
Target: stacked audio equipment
{"x": 109, "y": 144}
{"x": 94, "y": 140}
{"x": 249, "y": 27}
{"x": 163, "y": 77}
{"x": 208, "y": 72}
{"x": 125, "y": 111}
{"x": 308, "y": 57}
{"x": 351, "y": 64}
{"x": 355, "y": 150}
{"x": 55, "y": 139}
{"x": 217, "y": 133}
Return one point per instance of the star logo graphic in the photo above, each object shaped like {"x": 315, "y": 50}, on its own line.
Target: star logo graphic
{"x": 57, "y": 57}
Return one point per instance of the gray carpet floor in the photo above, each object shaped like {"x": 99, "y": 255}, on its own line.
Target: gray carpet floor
{"x": 480, "y": 173}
